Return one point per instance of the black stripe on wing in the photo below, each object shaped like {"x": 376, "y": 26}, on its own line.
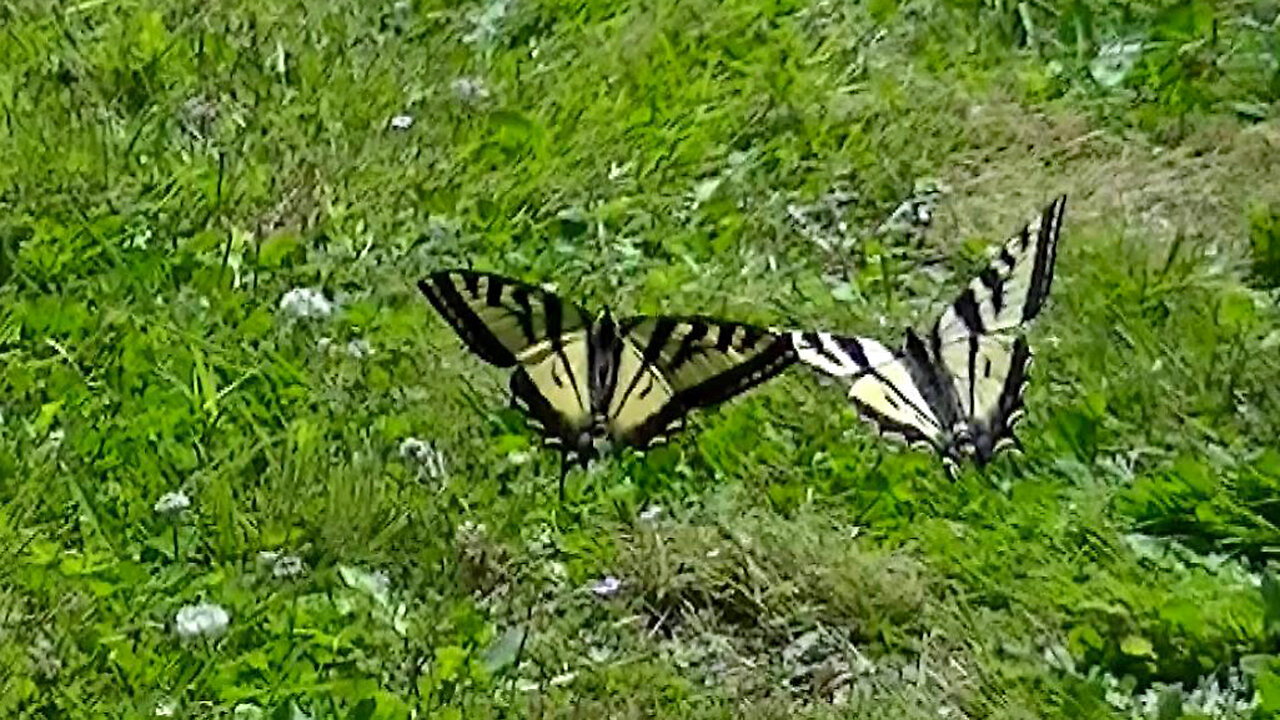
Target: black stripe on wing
{"x": 846, "y": 357}
{"x": 1047, "y": 230}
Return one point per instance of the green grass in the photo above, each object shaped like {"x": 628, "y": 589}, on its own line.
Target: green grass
{"x": 169, "y": 170}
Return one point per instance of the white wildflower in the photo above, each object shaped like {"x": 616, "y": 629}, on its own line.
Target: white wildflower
{"x": 289, "y": 566}
{"x": 282, "y": 566}
{"x": 324, "y": 344}
{"x": 306, "y": 303}
{"x": 204, "y": 619}
{"x": 402, "y": 122}
{"x": 246, "y": 711}
{"x": 519, "y": 457}
{"x": 56, "y": 436}
{"x": 166, "y": 707}
{"x": 424, "y": 455}
{"x": 470, "y": 89}
{"x": 650, "y": 513}
{"x": 172, "y": 503}
{"x": 359, "y": 349}
{"x": 607, "y": 586}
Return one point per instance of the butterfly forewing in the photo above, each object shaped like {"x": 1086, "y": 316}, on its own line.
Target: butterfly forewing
{"x": 882, "y": 387}
{"x": 502, "y": 320}
{"x": 673, "y": 365}
{"x": 1011, "y": 290}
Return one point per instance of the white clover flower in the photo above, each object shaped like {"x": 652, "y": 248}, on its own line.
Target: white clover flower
{"x": 359, "y": 349}
{"x": 306, "y": 303}
{"x": 172, "y": 503}
{"x": 402, "y": 122}
{"x": 205, "y": 619}
{"x": 650, "y": 513}
{"x": 607, "y": 586}
{"x": 289, "y": 566}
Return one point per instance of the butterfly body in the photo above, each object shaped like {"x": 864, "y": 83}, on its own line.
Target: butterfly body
{"x": 957, "y": 388}
{"x": 589, "y": 383}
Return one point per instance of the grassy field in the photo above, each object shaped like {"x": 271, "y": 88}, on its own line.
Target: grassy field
{"x": 366, "y": 530}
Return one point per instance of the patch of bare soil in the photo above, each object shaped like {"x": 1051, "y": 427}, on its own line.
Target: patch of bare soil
{"x": 1201, "y": 188}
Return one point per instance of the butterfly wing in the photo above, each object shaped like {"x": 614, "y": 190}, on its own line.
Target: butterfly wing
{"x": 669, "y": 366}
{"x": 888, "y": 389}
{"x": 509, "y": 323}
{"x": 973, "y": 341}
{"x": 1012, "y": 289}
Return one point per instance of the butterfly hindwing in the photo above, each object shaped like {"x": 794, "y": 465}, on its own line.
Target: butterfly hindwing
{"x": 670, "y": 366}
{"x": 554, "y": 390}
